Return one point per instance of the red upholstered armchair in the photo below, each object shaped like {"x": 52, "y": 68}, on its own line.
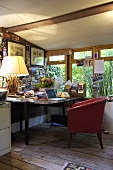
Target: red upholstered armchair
{"x": 86, "y": 117}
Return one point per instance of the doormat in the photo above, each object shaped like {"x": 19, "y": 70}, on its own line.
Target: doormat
{"x": 71, "y": 166}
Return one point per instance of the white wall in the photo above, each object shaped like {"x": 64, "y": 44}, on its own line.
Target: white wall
{"x": 15, "y": 127}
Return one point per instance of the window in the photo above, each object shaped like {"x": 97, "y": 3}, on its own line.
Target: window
{"x": 57, "y": 58}
{"x": 83, "y": 74}
{"x": 106, "y": 52}
{"x": 82, "y": 54}
{"x": 57, "y": 67}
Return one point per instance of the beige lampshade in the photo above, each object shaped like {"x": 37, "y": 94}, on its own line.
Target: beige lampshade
{"x": 13, "y": 65}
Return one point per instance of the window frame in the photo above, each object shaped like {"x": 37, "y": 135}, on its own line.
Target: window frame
{"x": 58, "y": 62}
{"x": 72, "y": 60}
{"x": 81, "y": 50}
{"x": 103, "y": 48}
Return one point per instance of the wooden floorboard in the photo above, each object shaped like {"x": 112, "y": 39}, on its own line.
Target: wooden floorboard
{"x": 48, "y": 150}
{"x": 4, "y": 166}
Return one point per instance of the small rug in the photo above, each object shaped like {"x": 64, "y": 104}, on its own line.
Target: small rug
{"x": 71, "y": 166}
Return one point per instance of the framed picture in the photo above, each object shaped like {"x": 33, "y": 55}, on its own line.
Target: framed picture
{"x": 37, "y": 57}
{"x": 15, "y": 49}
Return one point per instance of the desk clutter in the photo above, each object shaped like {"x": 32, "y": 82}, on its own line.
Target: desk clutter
{"x": 76, "y": 90}
{"x": 31, "y": 96}
{"x": 30, "y": 87}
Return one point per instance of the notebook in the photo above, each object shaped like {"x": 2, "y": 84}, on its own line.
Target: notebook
{"x": 52, "y": 95}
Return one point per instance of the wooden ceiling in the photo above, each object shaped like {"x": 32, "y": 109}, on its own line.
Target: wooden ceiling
{"x": 61, "y": 24}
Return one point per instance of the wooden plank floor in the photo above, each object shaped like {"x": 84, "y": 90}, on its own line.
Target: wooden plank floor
{"x": 48, "y": 150}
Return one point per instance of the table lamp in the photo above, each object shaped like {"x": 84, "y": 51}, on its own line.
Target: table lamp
{"x": 12, "y": 67}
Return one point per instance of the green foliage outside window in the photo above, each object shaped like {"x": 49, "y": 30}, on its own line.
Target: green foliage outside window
{"x": 58, "y": 70}
{"x": 106, "y": 86}
{"x": 83, "y": 74}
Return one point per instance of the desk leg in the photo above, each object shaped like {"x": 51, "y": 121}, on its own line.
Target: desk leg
{"x": 63, "y": 110}
{"x": 26, "y": 124}
{"x": 21, "y": 113}
{"x": 45, "y": 109}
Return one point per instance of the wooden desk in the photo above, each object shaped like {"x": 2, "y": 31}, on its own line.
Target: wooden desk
{"x": 26, "y": 103}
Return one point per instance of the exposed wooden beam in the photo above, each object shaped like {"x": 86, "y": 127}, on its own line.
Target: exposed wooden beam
{"x": 64, "y": 18}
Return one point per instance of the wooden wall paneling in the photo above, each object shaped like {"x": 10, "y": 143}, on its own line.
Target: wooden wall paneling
{"x": 27, "y": 56}
{"x": 58, "y": 52}
{"x": 68, "y": 67}
{"x": 70, "y": 62}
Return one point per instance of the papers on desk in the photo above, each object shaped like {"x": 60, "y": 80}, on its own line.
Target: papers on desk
{"x": 13, "y": 99}
{"x": 19, "y": 99}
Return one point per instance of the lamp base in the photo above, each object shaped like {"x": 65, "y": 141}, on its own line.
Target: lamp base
{"x": 12, "y": 84}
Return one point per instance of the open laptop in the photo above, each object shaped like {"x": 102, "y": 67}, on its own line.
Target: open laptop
{"x": 52, "y": 95}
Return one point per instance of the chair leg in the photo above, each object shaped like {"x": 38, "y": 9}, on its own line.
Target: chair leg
{"x": 99, "y": 135}
{"x": 69, "y": 137}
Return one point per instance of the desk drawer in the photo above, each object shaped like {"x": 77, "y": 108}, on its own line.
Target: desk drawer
{"x": 4, "y": 117}
{"x": 5, "y": 138}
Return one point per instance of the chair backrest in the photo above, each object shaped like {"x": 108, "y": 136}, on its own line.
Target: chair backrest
{"x": 86, "y": 117}
{"x": 87, "y": 101}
